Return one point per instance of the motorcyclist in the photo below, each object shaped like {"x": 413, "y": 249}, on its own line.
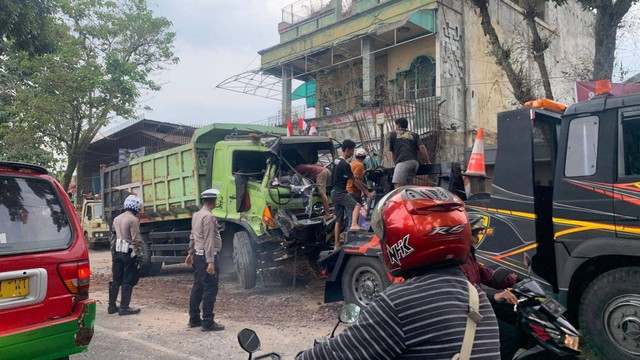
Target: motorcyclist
{"x": 425, "y": 316}
{"x": 501, "y": 299}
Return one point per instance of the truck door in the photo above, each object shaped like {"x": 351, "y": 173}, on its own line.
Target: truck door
{"x": 583, "y": 202}
{"x": 519, "y": 209}
{"x": 220, "y": 180}
{"x": 626, "y": 190}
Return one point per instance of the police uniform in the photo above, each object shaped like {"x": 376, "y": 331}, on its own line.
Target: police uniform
{"x": 204, "y": 245}
{"x": 125, "y": 247}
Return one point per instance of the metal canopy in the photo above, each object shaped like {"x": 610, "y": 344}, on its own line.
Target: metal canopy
{"x": 254, "y": 82}
{"x": 266, "y": 81}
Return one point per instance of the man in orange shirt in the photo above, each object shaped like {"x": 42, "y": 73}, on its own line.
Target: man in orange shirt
{"x": 357, "y": 168}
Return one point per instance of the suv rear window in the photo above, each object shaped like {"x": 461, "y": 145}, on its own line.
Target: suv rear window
{"x": 32, "y": 217}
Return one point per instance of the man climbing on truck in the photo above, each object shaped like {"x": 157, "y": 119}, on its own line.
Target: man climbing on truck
{"x": 342, "y": 200}
{"x": 404, "y": 146}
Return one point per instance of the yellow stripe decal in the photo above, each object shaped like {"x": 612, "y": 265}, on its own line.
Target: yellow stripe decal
{"x": 579, "y": 225}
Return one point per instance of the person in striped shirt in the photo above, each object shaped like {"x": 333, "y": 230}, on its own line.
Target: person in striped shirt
{"x": 425, "y": 316}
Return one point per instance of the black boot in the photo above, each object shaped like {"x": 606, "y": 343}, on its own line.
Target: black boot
{"x": 124, "y": 301}
{"x": 210, "y": 325}
{"x": 113, "y": 295}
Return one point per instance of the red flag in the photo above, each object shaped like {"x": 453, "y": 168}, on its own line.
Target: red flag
{"x": 313, "y": 130}
{"x": 302, "y": 125}
{"x": 289, "y": 128}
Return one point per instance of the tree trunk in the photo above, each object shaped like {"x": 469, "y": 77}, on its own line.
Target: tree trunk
{"x": 68, "y": 172}
{"x": 521, "y": 91}
{"x": 538, "y": 47}
{"x": 608, "y": 19}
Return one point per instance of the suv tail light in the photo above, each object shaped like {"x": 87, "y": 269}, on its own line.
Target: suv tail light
{"x": 76, "y": 276}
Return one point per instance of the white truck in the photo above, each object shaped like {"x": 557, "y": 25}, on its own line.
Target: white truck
{"x": 95, "y": 229}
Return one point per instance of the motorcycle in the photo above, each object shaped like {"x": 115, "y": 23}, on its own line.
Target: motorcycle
{"x": 249, "y": 342}
{"x": 541, "y": 318}
{"x": 348, "y": 315}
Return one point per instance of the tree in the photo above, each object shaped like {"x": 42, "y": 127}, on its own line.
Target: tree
{"x": 523, "y": 89}
{"x": 609, "y": 14}
{"x": 106, "y": 55}
{"x": 28, "y": 25}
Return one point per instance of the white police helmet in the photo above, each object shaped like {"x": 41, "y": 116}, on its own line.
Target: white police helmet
{"x": 210, "y": 194}
{"x": 132, "y": 202}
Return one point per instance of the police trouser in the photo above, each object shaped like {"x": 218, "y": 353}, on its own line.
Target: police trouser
{"x": 124, "y": 269}
{"x": 205, "y": 290}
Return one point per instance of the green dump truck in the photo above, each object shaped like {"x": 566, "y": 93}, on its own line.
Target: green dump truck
{"x": 267, "y": 215}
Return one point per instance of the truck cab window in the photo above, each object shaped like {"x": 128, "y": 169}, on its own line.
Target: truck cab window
{"x": 630, "y": 141}
{"x": 249, "y": 163}
{"x": 582, "y": 147}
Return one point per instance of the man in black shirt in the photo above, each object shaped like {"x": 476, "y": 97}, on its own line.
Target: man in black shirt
{"x": 339, "y": 196}
{"x": 404, "y": 146}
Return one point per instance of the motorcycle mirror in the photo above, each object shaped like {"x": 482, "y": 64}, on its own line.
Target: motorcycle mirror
{"x": 248, "y": 340}
{"x": 349, "y": 313}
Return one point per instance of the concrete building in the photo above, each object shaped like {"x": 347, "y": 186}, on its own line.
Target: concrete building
{"x": 426, "y": 60}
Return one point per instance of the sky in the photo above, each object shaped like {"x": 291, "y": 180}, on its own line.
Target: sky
{"x": 217, "y": 39}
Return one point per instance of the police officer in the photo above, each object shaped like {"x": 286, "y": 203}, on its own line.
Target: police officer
{"x": 126, "y": 247}
{"x": 204, "y": 246}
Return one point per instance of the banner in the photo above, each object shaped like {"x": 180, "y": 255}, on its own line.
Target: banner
{"x": 125, "y": 155}
{"x": 585, "y": 90}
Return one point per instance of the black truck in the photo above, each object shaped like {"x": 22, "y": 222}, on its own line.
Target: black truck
{"x": 565, "y": 192}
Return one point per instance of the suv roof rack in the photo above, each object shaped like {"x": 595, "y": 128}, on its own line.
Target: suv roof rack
{"x": 24, "y": 167}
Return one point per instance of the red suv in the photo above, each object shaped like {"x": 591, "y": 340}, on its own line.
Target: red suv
{"x": 45, "y": 310}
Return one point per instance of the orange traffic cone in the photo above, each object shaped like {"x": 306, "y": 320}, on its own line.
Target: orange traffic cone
{"x": 476, "y": 162}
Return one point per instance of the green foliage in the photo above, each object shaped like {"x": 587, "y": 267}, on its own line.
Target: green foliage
{"x": 27, "y": 25}
{"x": 106, "y": 53}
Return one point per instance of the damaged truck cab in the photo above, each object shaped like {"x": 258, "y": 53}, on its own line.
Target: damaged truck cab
{"x": 267, "y": 215}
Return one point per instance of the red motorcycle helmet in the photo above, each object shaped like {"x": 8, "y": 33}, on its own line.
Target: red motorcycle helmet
{"x": 421, "y": 227}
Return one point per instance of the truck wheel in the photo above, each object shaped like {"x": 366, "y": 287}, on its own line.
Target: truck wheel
{"x": 363, "y": 279}
{"x": 147, "y": 268}
{"x": 90, "y": 245}
{"x": 244, "y": 260}
{"x": 610, "y": 314}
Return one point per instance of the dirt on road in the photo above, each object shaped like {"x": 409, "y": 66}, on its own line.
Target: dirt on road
{"x": 275, "y": 308}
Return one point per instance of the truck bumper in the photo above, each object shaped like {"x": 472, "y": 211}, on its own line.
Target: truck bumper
{"x": 99, "y": 240}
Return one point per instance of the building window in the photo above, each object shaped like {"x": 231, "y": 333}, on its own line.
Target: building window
{"x": 419, "y": 81}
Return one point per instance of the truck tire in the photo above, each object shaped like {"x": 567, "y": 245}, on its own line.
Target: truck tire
{"x": 90, "y": 245}
{"x": 610, "y": 314}
{"x": 363, "y": 279}
{"x": 147, "y": 268}
{"x": 244, "y": 260}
